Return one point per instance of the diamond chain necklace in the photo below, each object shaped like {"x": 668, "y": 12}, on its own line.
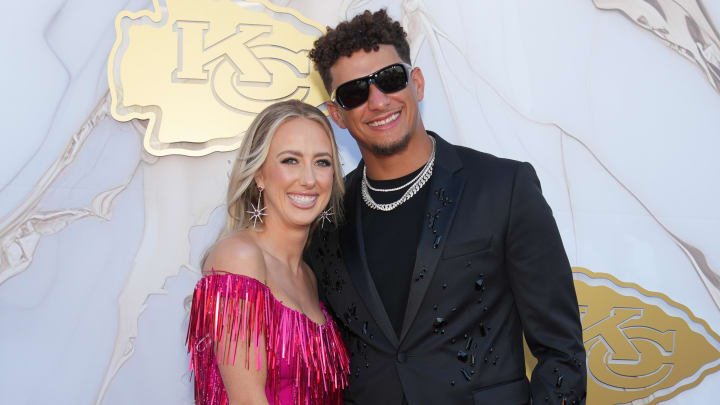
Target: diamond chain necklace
{"x": 415, "y": 185}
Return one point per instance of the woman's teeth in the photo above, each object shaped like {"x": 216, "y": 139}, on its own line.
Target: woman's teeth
{"x": 303, "y": 199}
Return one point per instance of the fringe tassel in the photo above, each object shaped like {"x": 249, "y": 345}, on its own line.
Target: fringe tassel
{"x": 231, "y": 309}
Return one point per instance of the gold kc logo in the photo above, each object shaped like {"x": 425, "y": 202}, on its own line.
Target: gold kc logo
{"x": 200, "y": 70}
{"x": 626, "y": 351}
{"x": 641, "y": 345}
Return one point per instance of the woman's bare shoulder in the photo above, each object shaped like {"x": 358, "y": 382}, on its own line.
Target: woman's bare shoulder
{"x": 238, "y": 253}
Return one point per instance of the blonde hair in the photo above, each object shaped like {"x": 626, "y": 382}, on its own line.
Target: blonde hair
{"x": 242, "y": 190}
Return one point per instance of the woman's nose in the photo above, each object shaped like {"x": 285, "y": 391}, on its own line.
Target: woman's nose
{"x": 307, "y": 176}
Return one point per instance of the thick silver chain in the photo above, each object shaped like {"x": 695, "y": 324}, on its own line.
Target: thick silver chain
{"x": 415, "y": 185}
{"x": 414, "y": 179}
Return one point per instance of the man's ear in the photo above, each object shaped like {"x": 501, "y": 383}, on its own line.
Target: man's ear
{"x": 336, "y": 114}
{"x": 419, "y": 82}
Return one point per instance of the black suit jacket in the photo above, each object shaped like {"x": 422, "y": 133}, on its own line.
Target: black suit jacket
{"x": 490, "y": 266}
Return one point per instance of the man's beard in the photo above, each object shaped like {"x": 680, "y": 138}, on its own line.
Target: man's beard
{"x": 393, "y": 148}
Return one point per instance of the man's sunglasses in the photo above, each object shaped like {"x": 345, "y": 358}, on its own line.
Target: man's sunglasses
{"x": 356, "y": 92}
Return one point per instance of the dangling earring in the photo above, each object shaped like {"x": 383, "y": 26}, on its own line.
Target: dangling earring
{"x": 326, "y": 216}
{"x": 257, "y": 212}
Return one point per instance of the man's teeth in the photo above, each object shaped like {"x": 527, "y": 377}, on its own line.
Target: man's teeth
{"x": 303, "y": 199}
{"x": 385, "y": 121}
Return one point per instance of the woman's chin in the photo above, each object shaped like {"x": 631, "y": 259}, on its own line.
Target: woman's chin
{"x": 302, "y": 221}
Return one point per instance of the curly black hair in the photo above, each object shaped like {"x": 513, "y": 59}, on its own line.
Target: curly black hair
{"x": 366, "y": 31}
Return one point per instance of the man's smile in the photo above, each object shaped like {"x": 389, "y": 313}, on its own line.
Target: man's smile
{"x": 384, "y": 121}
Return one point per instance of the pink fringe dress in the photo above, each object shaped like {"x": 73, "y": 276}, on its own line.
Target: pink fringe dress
{"x": 307, "y": 363}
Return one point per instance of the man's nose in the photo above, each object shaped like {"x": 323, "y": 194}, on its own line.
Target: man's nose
{"x": 377, "y": 100}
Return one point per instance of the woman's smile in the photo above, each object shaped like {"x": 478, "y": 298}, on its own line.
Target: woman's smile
{"x": 303, "y": 200}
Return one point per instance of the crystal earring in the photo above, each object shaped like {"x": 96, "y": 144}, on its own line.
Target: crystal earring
{"x": 257, "y": 213}
{"x": 326, "y": 216}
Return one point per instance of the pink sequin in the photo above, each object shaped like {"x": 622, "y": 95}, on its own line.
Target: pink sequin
{"x": 307, "y": 363}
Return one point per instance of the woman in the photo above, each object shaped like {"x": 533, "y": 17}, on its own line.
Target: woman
{"x": 258, "y": 333}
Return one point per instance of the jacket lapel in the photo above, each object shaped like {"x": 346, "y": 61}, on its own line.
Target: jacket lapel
{"x": 446, "y": 187}
{"x": 353, "y": 247}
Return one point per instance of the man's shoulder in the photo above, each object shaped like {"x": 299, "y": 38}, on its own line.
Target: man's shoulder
{"x": 473, "y": 159}
{"x": 477, "y": 162}
{"x": 352, "y": 176}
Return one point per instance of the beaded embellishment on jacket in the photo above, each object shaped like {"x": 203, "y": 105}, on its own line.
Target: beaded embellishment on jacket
{"x": 230, "y": 310}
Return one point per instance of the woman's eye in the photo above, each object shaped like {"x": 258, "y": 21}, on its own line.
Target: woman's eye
{"x": 324, "y": 163}
{"x": 289, "y": 161}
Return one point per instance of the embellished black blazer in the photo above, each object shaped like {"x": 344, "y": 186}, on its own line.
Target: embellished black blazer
{"x": 490, "y": 266}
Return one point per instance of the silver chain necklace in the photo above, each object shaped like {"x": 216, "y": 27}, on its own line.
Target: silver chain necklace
{"x": 415, "y": 185}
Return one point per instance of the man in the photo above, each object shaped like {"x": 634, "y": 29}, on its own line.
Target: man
{"x": 446, "y": 255}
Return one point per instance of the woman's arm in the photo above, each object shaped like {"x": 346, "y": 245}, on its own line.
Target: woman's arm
{"x": 244, "y": 369}
{"x": 245, "y": 385}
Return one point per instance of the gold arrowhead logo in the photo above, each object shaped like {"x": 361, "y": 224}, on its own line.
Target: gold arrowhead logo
{"x": 200, "y": 70}
{"x": 641, "y": 345}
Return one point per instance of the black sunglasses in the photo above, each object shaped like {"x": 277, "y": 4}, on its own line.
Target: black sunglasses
{"x": 356, "y": 92}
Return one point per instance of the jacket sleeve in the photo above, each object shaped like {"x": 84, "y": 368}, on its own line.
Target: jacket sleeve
{"x": 542, "y": 285}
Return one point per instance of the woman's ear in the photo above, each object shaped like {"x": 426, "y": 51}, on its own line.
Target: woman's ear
{"x": 259, "y": 182}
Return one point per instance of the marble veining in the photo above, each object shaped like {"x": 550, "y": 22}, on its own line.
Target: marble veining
{"x": 22, "y": 229}
{"x": 682, "y": 24}
{"x": 178, "y": 197}
{"x": 686, "y": 28}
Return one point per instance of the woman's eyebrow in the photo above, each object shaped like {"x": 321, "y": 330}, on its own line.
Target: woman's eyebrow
{"x": 299, "y": 154}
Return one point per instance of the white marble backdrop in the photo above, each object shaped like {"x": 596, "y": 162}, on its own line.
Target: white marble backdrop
{"x": 101, "y": 241}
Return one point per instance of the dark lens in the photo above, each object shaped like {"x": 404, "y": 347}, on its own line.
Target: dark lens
{"x": 352, "y": 94}
{"x": 391, "y": 79}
